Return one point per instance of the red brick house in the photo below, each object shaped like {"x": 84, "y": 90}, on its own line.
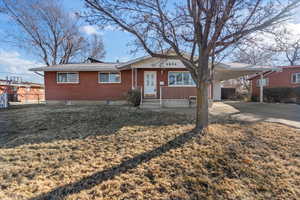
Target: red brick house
{"x": 165, "y": 80}
{"x": 24, "y": 92}
{"x": 287, "y": 76}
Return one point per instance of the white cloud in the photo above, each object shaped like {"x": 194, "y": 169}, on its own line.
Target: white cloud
{"x": 12, "y": 64}
{"x": 293, "y": 28}
{"x": 293, "y": 31}
{"x": 90, "y": 30}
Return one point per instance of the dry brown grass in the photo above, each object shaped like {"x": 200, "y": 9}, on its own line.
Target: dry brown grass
{"x": 97, "y": 152}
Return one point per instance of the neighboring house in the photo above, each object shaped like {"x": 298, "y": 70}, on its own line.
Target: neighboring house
{"x": 24, "y": 92}
{"x": 235, "y": 88}
{"x": 287, "y": 76}
{"x": 166, "y": 80}
{"x": 240, "y": 84}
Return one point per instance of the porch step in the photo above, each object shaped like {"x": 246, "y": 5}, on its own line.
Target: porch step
{"x": 149, "y": 106}
{"x": 150, "y": 103}
{"x": 151, "y": 100}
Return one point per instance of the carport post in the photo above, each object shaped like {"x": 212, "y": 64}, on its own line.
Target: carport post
{"x": 160, "y": 96}
{"x": 261, "y": 86}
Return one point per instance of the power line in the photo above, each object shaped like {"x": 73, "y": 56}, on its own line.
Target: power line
{"x": 29, "y": 73}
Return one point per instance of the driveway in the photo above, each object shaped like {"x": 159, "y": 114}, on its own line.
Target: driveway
{"x": 288, "y": 114}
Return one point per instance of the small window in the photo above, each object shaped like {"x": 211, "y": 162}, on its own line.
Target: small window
{"x": 265, "y": 82}
{"x": 180, "y": 79}
{"x": 296, "y": 78}
{"x": 67, "y": 77}
{"x": 109, "y": 77}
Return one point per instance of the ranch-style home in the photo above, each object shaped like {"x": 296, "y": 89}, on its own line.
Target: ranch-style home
{"x": 286, "y": 78}
{"x": 167, "y": 82}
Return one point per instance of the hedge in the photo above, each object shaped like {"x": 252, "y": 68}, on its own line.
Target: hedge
{"x": 280, "y": 94}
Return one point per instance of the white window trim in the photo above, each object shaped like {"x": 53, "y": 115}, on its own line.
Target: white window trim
{"x": 258, "y": 80}
{"x": 179, "y": 85}
{"x": 67, "y": 82}
{"x": 297, "y": 81}
{"x": 99, "y": 81}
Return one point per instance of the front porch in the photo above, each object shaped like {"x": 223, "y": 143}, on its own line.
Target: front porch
{"x": 168, "y": 80}
{"x": 165, "y": 86}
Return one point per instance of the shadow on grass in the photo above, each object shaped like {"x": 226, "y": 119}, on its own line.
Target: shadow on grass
{"x": 98, "y": 177}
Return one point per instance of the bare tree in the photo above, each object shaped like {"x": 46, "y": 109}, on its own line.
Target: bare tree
{"x": 251, "y": 53}
{"x": 50, "y": 32}
{"x": 288, "y": 44}
{"x": 194, "y": 30}
{"x": 94, "y": 48}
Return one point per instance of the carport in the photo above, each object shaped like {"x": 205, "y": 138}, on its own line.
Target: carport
{"x": 228, "y": 71}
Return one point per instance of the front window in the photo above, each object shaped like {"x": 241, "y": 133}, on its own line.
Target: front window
{"x": 67, "y": 77}
{"x": 180, "y": 79}
{"x": 264, "y": 81}
{"x": 109, "y": 77}
{"x": 296, "y": 78}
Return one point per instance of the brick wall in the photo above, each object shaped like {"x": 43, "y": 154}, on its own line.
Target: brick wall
{"x": 277, "y": 79}
{"x": 161, "y": 75}
{"x": 88, "y": 87}
{"x": 169, "y": 92}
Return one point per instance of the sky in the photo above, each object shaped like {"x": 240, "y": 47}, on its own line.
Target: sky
{"x": 15, "y": 61}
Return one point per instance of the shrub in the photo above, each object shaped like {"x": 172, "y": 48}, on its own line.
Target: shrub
{"x": 281, "y": 93}
{"x": 134, "y": 97}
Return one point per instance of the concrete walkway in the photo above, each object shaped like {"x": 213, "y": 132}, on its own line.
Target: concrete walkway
{"x": 288, "y": 114}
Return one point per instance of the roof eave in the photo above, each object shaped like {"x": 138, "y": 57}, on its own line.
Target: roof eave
{"x": 62, "y": 69}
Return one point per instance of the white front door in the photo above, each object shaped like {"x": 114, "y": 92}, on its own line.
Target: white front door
{"x": 150, "y": 83}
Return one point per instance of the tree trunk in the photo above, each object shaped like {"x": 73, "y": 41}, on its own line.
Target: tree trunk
{"x": 202, "y": 94}
{"x": 202, "y": 107}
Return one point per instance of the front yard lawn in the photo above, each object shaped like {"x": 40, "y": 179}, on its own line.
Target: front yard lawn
{"x": 106, "y": 152}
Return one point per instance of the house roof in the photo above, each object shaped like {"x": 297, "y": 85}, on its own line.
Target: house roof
{"x": 257, "y": 75}
{"x": 244, "y": 66}
{"x": 235, "y": 70}
{"x": 289, "y": 67}
{"x": 126, "y": 64}
{"x": 224, "y": 71}
{"x": 79, "y": 67}
{"x": 279, "y": 68}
